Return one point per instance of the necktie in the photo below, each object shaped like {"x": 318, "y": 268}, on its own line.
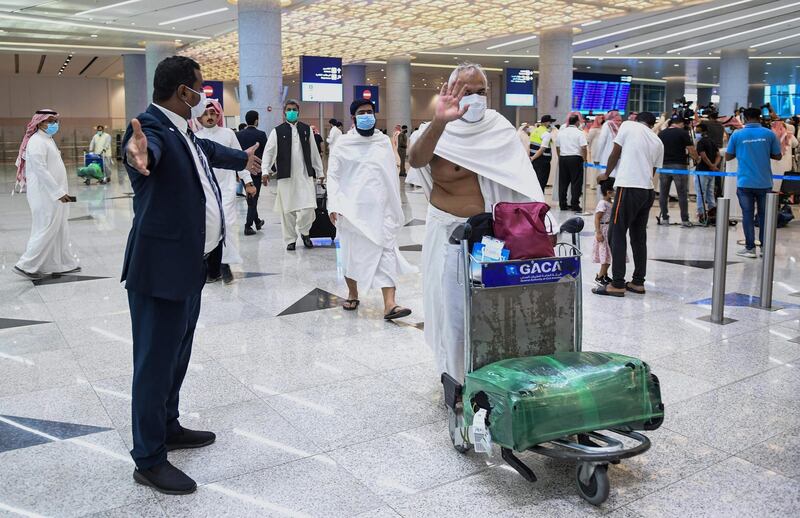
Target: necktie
{"x": 210, "y": 177}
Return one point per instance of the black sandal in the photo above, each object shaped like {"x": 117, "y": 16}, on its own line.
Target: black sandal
{"x": 634, "y": 290}
{"x": 603, "y": 290}
{"x": 397, "y": 312}
{"x": 353, "y": 304}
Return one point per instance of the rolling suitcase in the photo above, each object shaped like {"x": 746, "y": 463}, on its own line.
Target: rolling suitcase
{"x": 322, "y": 226}
{"x": 536, "y": 399}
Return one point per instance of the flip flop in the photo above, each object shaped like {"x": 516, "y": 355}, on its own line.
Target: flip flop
{"x": 397, "y": 312}
{"x": 602, "y": 290}
{"x": 353, "y": 304}
{"x": 634, "y": 290}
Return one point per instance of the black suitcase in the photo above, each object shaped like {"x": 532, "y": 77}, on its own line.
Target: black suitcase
{"x": 322, "y": 226}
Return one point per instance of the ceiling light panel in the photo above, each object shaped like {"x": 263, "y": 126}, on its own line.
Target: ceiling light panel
{"x": 359, "y": 30}
{"x": 106, "y": 7}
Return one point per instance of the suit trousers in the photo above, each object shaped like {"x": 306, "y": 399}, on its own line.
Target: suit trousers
{"x": 402, "y": 152}
{"x": 162, "y": 345}
{"x": 252, "y": 203}
{"x": 570, "y": 177}
{"x": 629, "y": 215}
{"x": 542, "y": 167}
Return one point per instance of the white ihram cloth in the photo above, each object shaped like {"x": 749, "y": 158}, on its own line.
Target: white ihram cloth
{"x": 228, "y": 181}
{"x": 297, "y": 195}
{"x": 364, "y": 191}
{"x": 492, "y": 150}
{"x": 48, "y": 249}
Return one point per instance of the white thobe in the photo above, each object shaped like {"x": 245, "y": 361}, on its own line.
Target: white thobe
{"x": 227, "y": 180}
{"x": 364, "y": 192}
{"x": 48, "y": 249}
{"x": 297, "y": 195}
{"x": 101, "y": 145}
{"x": 333, "y": 136}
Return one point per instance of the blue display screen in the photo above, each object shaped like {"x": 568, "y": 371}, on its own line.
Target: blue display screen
{"x": 600, "y": 92}
{"x": 784, "y": 99}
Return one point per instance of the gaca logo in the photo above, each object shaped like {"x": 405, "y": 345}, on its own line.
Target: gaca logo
{"x": 535, "y": 268}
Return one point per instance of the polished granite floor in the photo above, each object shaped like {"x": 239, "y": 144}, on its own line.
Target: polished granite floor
{"x": 325, "y": 413}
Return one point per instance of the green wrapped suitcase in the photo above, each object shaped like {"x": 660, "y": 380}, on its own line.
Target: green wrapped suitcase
{"x": 536, "y": 399}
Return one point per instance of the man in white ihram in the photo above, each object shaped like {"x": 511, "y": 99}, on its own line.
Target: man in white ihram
{"x": 364, "y": 204}
{"x": 468, "y": 158}
{"x": 213, "y": 128}
{"x": 39, "y": 164}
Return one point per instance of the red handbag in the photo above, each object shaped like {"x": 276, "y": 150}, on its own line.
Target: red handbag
{"x": 523, "y": 227}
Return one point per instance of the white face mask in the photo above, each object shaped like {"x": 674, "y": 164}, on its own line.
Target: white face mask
{"x": 477, "y": 107}
{"x": 198, "y": 109}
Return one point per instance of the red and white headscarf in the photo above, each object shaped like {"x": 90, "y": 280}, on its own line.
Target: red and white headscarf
{"x": 613, "y": 119}
{"x": 33, "y": 126}
{"x": 217, "y": 107}
{"x": 597, "y": 122}
{"x": 784, "y": 137}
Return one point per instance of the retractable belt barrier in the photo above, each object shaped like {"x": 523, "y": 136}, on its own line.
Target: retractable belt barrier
{"x": 702, "y": 173}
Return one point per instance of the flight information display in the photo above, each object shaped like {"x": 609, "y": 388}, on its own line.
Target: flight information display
{"x": 599, "y": 92}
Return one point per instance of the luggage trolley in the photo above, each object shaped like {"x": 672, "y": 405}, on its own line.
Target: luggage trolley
{"x": 502, "y": 299}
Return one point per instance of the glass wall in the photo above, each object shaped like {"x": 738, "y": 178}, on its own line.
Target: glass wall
{"x": 785, "y": 99}
{"x": 647, "y": 98}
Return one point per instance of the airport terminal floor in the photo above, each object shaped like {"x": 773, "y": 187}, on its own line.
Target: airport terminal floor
{"x": 322, "y": 412}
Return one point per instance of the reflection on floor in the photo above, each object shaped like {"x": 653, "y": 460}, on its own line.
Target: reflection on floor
{"x": 322, "y": 412}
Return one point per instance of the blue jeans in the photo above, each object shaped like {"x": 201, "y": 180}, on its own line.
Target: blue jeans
{"x": 704, "y": 186}
{"x": 748, "y": 199}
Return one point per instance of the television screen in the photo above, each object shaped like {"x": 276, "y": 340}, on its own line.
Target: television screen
{"x": 321, "y": 79}
{"x": 519, "y": 87}
{"x": 599, "y": 92}
{"x": 784, "y": 99}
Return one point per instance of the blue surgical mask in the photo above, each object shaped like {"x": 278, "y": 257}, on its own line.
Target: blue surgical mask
{"x": 365, "y": 121}
{"x": 52, "y": 128}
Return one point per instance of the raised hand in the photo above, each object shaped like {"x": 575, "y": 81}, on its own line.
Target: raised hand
{"x": 136, "y": 153}
{"x": 253, "y": 162}
{"x": 447, "y": 104}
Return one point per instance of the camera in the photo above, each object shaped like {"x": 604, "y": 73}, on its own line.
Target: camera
{"x": 681, "y": 109}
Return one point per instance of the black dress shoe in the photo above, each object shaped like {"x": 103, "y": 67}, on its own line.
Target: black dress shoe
{"x": 187, "y": 439}
{"x": 307, "y": 242}
{"x": 227, "y": 274}
{"x": 248, "y": 231}
{"x": 165, "y": 478}
{"x": 291, "y": 247}
{"x": 212, "y": 280}
{"x": 259, "y": 224}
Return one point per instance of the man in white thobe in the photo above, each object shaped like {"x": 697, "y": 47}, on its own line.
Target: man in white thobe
{"x": 39, "y": 164}
{"x": 468, "y": 158}
{"x": 364, "y": 204}
{"x": 291, "y": 149}
{"x": 101, "y": 145}
{"x": 333, "y": 134}
{"x": 213, "y": 128}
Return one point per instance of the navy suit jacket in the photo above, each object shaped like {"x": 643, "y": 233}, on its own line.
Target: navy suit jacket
{"x": 249, "y": 136}
{"x": 164, "y": 254}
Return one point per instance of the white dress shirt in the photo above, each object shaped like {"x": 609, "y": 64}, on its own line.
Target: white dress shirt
{"x": 213, "y": 213}
{"x": 571, "y": 141}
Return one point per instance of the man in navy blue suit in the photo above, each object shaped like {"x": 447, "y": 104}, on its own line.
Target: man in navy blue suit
{"x": 178, "y": 230}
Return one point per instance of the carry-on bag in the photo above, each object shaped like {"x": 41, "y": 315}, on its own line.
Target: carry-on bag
{"x": 523, "y": 228}
{"x": 322, "y": 226}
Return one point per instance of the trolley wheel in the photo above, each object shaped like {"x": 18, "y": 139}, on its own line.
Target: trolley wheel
{"x": 455, "y": 422}
{"x": 595, "y": 491}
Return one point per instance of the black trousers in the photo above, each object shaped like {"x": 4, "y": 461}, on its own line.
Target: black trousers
{"x": 252, "y": 202}
{"x": 162, "y": 345}
{"x": 570, "y": 177}
{"x": 402, "y": 152}
{"x": 629, "y": 215}
{"x": 214, "y": 262}
{"x": 542, "y": 167}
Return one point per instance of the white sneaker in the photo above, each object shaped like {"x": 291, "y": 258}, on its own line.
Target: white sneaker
{"x": 744, "y": 252}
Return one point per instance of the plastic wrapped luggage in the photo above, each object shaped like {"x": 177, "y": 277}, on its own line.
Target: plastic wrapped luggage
{"x": 92, "y": 170}
{"x": 540, "y": 398}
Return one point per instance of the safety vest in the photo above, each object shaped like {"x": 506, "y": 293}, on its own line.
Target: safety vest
{"x": 537, "y": 134}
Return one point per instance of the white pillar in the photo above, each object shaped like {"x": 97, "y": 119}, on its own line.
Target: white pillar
{"x": 398, "y": 92}
{"x": 734, "y": 78}
{"x": 352, "y": 75}
{"x": 156, "y": 52}
{"x": 555, "y": 73}
{"x": 135, "y": 70}
{"x": 676, "y": 88}
{"x": 260, "y": 65}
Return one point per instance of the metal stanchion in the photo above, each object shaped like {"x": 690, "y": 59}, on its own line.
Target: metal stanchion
{"x": 720, "y": 265}
{"x": 768, "y": 250}
{"x": 586, "y": 211}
